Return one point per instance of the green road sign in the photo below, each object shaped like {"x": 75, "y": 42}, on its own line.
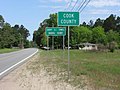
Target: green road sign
{"x": 68, "y": 18}
{"x": 55, "y": 31}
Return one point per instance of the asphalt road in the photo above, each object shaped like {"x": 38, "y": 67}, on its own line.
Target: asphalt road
{"x": 10, "y": 61}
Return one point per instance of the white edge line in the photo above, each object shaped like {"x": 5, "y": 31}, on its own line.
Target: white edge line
{"x": 17, "y": 63}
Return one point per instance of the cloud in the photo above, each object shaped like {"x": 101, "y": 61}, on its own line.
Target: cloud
{"x": 60, "y": 0}
{"x": 53, "y": 7}
{"x": 56, "y": 0}
{"x": 101, "y": 11}
{"x": 102, "y": 3}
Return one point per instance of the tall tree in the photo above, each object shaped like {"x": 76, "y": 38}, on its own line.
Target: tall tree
{"x": 110, "y": 23}
{"x": 7, "y": 38}
{"x": 39, "y": 35}
{"x": 113, "y": 36}
{"x": 113, "y": 40}
{"x": 91, "y": 23}
{"x": 81, "y": 34}
{"x": 118, "y": 24}
{"x": 1, "y": 21}
{"x": 98, "y": 35}
{"x": 99, "y": 22}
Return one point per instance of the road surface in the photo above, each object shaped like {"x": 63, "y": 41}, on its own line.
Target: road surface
{"x": 10, "y": 61}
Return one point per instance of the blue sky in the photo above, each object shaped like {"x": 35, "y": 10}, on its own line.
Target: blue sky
{"x": 31, "y": 12}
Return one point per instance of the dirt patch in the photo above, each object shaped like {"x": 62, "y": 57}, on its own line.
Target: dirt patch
{"x": 26, "y": 78}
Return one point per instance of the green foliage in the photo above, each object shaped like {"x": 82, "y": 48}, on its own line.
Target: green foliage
{"x": 7, "y": 50}
{"x": 97, "y": 33}
{"x": 43, "y": 40}
{"x": 1, "y": 21}
{"x": 85, "y": 34}
{"x": 113, "y": 40}
{"x": 99, "y": 22}
{"x": 113, "y": 36}
{"x": 110, "y": 23}
{"x": 39, "y": 36}
{"x": 12, "y": 36}
{"x": 81, "y": 34}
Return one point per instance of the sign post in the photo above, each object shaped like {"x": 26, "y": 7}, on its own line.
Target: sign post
{"x": 47, "y": 42}
{"x": 68, "y": 19}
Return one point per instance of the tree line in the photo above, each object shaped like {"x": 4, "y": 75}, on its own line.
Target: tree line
{"x": 105, "y": 33}
{"x": 15, "y": 36}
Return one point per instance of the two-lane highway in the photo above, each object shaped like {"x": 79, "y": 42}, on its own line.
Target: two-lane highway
{"x": 10, "y": 61}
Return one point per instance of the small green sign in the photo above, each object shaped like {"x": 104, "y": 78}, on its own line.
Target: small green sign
{"x": 55, "y": 31}
{"x": 68, "y": 18}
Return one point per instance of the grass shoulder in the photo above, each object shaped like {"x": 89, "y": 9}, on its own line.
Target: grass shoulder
{"x": 7, "y": 50}
{"x": 97, "y": 69}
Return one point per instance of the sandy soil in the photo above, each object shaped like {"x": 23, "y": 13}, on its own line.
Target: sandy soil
{"x": 24, "y": 79}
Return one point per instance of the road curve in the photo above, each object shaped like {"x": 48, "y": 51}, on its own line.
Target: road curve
{"x": 10, "y": 61}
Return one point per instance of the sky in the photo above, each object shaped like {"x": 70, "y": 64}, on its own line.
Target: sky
{"x": 31, "y": 13}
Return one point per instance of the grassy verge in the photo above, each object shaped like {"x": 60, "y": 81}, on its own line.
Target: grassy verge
{"x": 99, "y": 70}
{"x": 6, "y": 50}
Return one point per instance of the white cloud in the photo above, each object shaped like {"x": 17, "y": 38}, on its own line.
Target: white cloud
{"x": 60, "y": 0}
{"x": 46, "y": 1}
{"x": 101, "y": 11}
{"x": 56, "y": 0}
{"x": 53, "y": 7}
{"x": 102, "y": 3}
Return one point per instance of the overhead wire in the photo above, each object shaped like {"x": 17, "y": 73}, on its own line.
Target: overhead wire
{"x": 84, "y": 6}
{"x": 79, "y": 4}
{"x": 74, "y": 5}
{"x": 69, "y": 4}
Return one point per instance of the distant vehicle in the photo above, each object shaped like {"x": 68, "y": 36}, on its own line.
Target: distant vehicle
{"x": 46, "y": 48}
{"x": 67, "y": 47}
{"x": 87, "y": 46}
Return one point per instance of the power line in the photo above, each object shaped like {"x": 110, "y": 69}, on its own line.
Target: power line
{"x": 69, "y": 4}
{"x": 80, "y": 4}
{"x": 81, "y": 7}
{"x": 75, "y": 4}
{"x": 84, "y": 6}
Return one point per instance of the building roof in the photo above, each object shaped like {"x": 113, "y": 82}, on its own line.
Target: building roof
{"x": 90, "y": 44}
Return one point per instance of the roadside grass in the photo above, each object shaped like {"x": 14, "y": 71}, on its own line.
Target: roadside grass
{"x": 7, "y": 50}
{"x": 99, "y": 70}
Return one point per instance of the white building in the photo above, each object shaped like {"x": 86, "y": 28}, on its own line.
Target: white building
{"x": 87, "y": 46}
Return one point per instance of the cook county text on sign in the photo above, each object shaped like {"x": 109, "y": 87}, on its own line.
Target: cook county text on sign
{"x": 68, "y": 18}
{"x": 55, "y": 31}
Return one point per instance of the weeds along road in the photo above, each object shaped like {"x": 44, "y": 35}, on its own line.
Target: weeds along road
{"x": 10, "y": 61}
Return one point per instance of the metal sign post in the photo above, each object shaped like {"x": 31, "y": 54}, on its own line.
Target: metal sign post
{"x": 68, "y": 54}
{"x": 52, "y": 42}
{"x": 47, "y": 41}
{"x": 68, "y": 19}
{"x": 63, "y": 42}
